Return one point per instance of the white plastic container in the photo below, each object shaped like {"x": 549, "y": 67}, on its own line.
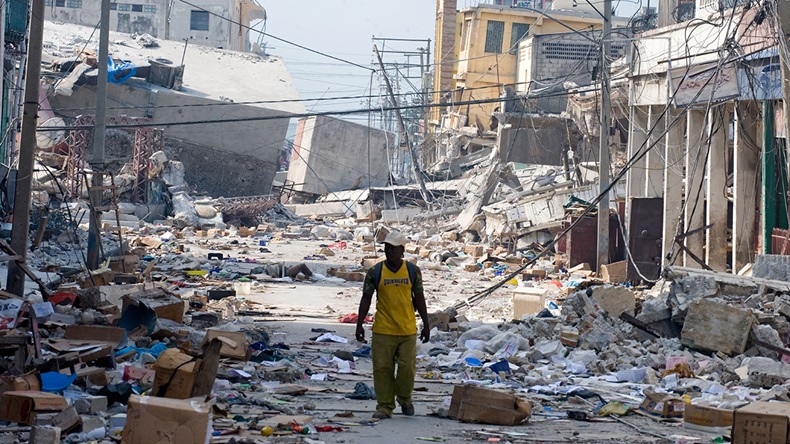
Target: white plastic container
{"x": 242, "y": 288}
{"x": 528, "y": 301}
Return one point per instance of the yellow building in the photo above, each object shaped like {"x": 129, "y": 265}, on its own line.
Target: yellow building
{"x": 486, "y": 40}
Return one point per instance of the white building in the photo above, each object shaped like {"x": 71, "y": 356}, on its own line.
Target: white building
{"x": 216, "y": 23}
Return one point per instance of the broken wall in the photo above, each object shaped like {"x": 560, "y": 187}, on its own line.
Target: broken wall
{"x": 148, "y": 16}
{"x": 332, "y": 155}
{"x": 222, "y": 145}
{"x": 537, "y": 140}
{"x": 237, "y": 175}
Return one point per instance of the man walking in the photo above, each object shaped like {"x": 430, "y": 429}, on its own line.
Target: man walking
{"x": 398, "y": 287}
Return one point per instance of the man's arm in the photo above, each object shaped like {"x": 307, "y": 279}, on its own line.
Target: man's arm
{"x": 419, "y": 304}
{"x": 364, "y": 304}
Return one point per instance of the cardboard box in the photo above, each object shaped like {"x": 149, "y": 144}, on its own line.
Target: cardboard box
{"x": 761, "y": 423}
{"x": 474, "y": 250}
{"x": 96, "y": 333}
{"x": 479, "y": 405}
{"x": 234, "y": 345}
{"x": 615, "y": 273}
{"x": 181, "y": 376}
{"x": 707, "y": 419}
{"x": 28, "y": 381}
{"x": 176, "y": 373}
{"x": 23, "y": 406}
{"x": 166, "y": 305}
{"x": 67, "y": 420}
{"x": 661, "y": 405}
{"x": 152, "y": 420}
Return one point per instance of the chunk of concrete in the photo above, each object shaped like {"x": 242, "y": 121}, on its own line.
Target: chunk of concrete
{"x": 688, "y": 289}
{"x": 715, "y": 326}
{"x": 615, "y": 300}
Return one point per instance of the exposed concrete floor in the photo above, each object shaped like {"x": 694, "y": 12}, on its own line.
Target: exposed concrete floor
{"x": 298, "y": 307}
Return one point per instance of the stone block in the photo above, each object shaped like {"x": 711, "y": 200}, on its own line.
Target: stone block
{"x": 45, "y": 435}
{"x": 615, "y": 300}
{"x": 715, "y": 326}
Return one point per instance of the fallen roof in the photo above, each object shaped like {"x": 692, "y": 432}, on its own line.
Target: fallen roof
{"x": 210, "y": 73}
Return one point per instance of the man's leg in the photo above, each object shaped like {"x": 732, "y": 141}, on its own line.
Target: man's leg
{"x": 383, "y": 352}
{"x": 406, "y": 357}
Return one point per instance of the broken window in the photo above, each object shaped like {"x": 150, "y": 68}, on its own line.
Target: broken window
{"x": 518, "y": 32}
{"x": 113, "y": 6}
{"x": 150, "y": 8}
{"x": 494, "y": 36}
{"x": 137, "y": 8}
{"x": 198, "y": 21}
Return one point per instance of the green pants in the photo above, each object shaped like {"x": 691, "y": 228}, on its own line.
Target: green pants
{"x": 387, "y": 351}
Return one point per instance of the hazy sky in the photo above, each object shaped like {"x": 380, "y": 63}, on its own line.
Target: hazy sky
{"x": 342, "y": 28}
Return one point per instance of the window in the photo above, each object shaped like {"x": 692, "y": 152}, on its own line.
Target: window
{"x": 74, "y": 4}
{"x": 113, "y": 6}
{"x": 517, "y": 33}
{"x": 60, "y": 3}
{"x": 198, "y": 21}
{"x": 494, "y": 35}
{"x": 124, "y": 7}
{"x": 47, "y": 2}
{"x": 137, "y": 8}
{"x": 150, "y": 8}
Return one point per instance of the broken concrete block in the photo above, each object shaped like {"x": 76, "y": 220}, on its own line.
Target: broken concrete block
{"x": 45, "y": 435}
{"x": 615, "y": 300}
{"x": 772, "y": 266}
{"x": 765, "y": 372}
{"x": 91, "y": 405}
{"x": 688, "y": 289}
{"x": 766, "y": 333}
{"x": 715, "y": 326}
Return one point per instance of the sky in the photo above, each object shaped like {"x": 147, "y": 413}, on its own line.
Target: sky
{"x": 342, "y": 28}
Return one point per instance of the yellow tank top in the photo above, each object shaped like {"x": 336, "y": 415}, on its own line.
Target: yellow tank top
{"x": 394, "y": 308}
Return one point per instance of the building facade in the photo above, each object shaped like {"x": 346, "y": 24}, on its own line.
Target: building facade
{"x": 216, "y": 23}
{"x": 488, "y": 38}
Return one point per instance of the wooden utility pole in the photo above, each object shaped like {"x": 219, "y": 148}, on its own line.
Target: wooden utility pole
{"x": 603, "y": 147}
{"x": 99, "y": 129}
{"x": 27, "y": 149}
{"x": 415, "y": 161}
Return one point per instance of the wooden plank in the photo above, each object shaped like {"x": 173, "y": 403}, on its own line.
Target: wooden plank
{"x": 207, "y": 372}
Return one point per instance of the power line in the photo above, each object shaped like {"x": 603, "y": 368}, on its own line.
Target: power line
{"x": 266, "y": 34}
{"x": 312, "y": 114}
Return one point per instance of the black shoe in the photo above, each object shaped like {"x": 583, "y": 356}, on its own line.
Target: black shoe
{"x": 407, "y": 409}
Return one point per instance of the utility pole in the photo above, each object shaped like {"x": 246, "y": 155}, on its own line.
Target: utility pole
{"x": 27, "y": 149}
{"x": 603, "y": 148}
{"x": 99, "y": 129}
{"x": 415, "y": 162}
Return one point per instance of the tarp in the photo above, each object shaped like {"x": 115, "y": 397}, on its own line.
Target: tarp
{"x": 119, "y": 73}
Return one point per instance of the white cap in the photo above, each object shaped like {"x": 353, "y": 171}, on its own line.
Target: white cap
{"x": 396, "y": 239}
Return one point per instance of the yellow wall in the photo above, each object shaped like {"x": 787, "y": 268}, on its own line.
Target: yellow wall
{"x": 482, "y": 73}
{"x": 438, "y": 39}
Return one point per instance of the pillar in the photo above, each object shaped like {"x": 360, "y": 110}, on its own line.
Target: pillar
{"x": 694, "y": 214}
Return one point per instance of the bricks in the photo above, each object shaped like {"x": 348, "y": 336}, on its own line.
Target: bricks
{"x": 715, "y": 326}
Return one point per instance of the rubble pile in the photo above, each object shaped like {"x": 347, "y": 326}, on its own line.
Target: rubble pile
{"x": 177, "y": 318}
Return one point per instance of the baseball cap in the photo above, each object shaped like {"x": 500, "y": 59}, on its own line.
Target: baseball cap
{"x": 396, "y": 238}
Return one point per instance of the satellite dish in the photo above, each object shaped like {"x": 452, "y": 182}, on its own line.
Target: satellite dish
{"x": 46, "y": 140}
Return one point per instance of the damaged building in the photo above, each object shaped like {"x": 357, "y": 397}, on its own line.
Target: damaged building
{"x": 174, "y": 87}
